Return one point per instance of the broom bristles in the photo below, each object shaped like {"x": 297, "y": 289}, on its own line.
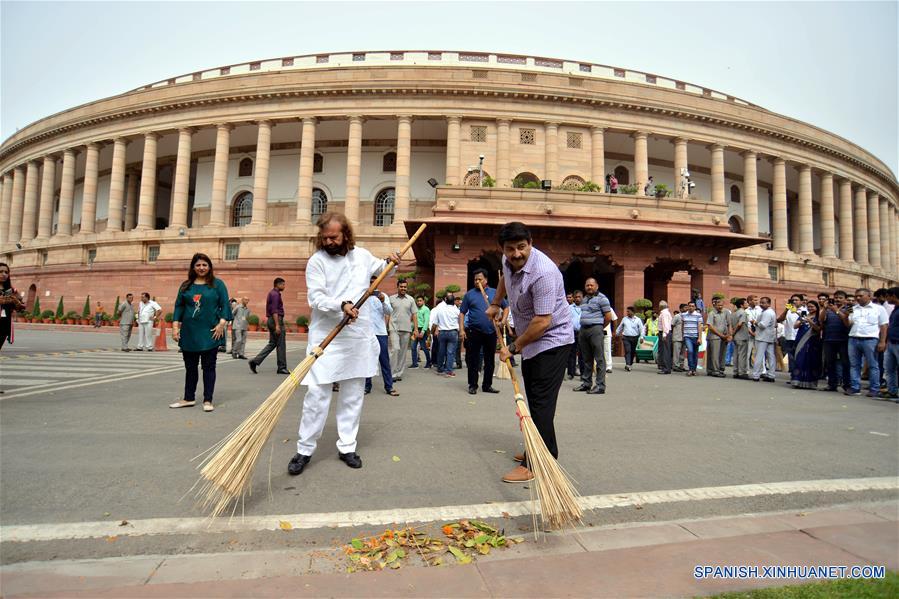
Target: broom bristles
{"x": 226, "y": 475}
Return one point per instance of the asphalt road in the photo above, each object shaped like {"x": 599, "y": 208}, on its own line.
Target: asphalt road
{"x": 114, "y": 450}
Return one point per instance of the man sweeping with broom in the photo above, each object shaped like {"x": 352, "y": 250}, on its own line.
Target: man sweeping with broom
{"x": 336, "y": 276}
{"x": 536, "y": 294}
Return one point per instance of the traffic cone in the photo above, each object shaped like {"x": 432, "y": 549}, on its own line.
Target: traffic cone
{"x": 161, "y": 344}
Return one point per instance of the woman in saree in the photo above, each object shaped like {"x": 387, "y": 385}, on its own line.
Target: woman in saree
{"x": 807, "y": 364}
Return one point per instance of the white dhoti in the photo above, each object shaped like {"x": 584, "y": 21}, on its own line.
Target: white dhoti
{"x": 145, "y": 337}
{"x": 315, "y": 414}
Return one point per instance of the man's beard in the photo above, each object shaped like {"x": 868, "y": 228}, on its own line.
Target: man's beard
{"x": 336, "y": 250}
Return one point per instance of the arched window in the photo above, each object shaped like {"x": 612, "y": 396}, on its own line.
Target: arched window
{"x": 734, "y": 194}
{"x": 389, "y": 162}
{"x": 736, "y": 226}
{"x": 572, "y": 183}
{"x": 473, "y": 179}
{"x": 242, "y": 210}
{"x": 623, "y": 176}
{"x": 319, "y": 203}
{"x": 526, "y": 180}
{"x": 245, "y": 168}
{"x": 318, "y": 163}
{"x": 384, "y": 207}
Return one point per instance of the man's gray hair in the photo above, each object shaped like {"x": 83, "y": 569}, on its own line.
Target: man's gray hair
{"x": 663, "y": 305}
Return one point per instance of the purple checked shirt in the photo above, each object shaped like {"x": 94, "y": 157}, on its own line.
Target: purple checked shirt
{"x": 273, "y": 304}
{"x": 538, "y": 289}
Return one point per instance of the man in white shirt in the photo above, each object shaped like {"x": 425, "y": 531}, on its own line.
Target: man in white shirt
{"x": 789, "y": 317}
{"x": 867, "y": 335}
{"x": 765, "y": 335}
{"x": 378, "y": 309}
{"x": 753, "y": 311}
{"x": 147, "y": 315}
{"x": 445, "y": 328}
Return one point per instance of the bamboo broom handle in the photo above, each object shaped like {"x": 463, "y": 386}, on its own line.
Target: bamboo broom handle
{"x": 346, "y": 319}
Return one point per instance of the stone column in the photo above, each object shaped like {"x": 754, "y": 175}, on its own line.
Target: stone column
{"x": 181, "y": 184}
{"x": 66, "y": 194}
{"x": 307, "y": 164}
{"x": 551, "y": 156}
{"x": 220, "y": 175}
{"x": 681, "y": 163}
{"x": 827, "y": 217}
{"x": 260, "y": 170}
{"x": 503, "y": 170}
{"x": 806, "y": 237}
{"x": 847, "y": 252}
{"x": 131, "y": 201}
{"x": 718, "y": 196}
{"x": 885, "y": 238}
{"x": 894, "y": 243}
{"x": 598, "y": 157}
{"x": 17, "y": 204}
{"x": 779, "y": 227}
{"x": 48, "y": 189}
{"x": 89, "y": 197}
{"x": 861, "y": 225}
{"x": 5, "y": 205}
{"x": 403, "y": 168}
{"x": 453, "y": 149}
{"x": 750, "y": 194}
{"x": 29, "y": 211}
{"x": 874, "y": 252}
{"x": 146, "y": 212}
{"x": 354, "y": 170}
{"x": 116, "y": 185}
{"x": 641, "y": 161}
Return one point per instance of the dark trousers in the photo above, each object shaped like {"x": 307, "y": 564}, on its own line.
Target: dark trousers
{"x": 630, "y": 348}
{"x": 423, "y": 345}
{"x": 477, "y": 342}
{"x": 191, "y": 360}
{"x": 384, "y": 363}
{"x": 275, "y": 341}
{"x": 788, "y": 346}
{"x": 542, "y": 377}
{"x": 590, "y": 341}
{"x": 665, "y": 355}
{"x": 572, "y": 357}
{"x": 836, "y": 356}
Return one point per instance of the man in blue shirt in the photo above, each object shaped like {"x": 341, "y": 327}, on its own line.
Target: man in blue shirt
{"x": 478, "y": 333}
{"x": 596, "y": 313}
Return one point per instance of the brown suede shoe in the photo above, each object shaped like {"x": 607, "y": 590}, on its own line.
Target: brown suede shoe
{"x": 518, "y": 474}
{"x": 518, "y": 457}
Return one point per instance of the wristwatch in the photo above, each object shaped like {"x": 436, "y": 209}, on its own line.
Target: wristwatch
{"x": 513, "y": 349}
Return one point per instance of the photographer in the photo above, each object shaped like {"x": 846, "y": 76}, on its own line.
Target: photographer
{"x": 836, "y": 342}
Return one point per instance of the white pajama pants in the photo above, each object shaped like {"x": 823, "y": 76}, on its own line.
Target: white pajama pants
{"x": 607, "y": 349}
{"x": 315, "y": 413}
{"x": 145, "y": 338}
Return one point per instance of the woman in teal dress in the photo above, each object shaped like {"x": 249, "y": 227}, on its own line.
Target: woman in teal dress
{"x": 201, "y": 316}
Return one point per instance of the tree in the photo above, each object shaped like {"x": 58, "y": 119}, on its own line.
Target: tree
{"x": 60, "y": 310}
{"x": 115, "y": 311}
{"x": 36, "y": 311}
{"x": 86, "y": 313}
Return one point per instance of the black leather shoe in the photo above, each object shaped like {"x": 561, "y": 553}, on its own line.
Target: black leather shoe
{"x": 596, "y": 391}
{"x": 252, "y": 366}
{"x": 490, "y": 390}
{"x": 297, "y": 463}
{"x": 582, "y": 388}
{"x": 351, "y": 459}
{"x": 284, "y": 371}
{"x": 472, "y": 390}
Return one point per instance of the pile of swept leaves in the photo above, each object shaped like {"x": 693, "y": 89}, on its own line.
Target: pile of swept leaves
{"x": 463, "y": 540}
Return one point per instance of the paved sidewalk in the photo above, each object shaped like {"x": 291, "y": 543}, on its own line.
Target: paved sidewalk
{"x": 641, "y": 560}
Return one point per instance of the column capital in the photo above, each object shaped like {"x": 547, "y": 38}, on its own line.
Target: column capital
{"x": 309, "y": 120}
{"x": 504, "y": 121}
{"x": 94, "y": 145}
{"x": 680, "y": 140}
{"x": 715, "y": 146}
{"x": 121, "y": 139}
{"x": 749, "y": 153}
{"x": 224, "y": 126}
{"x": 804, "y": 167}
{"x": 264, "y": 123}
{"x": 549, "y": 124}
{"x": 356, "y": 118}
{"x": 151, "y": 135}
{"x": 598, "y": 128}
{"x": 404, "y": 118}
{"x": 777, "y": 161}
{"x": 454, "y": 118}
{"x": 826, "y": 175}
{"x": 640, "y": 134}
{"x": 190, "y": 130}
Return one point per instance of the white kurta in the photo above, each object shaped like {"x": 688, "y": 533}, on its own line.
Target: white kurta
{"x": 331, "y": 280}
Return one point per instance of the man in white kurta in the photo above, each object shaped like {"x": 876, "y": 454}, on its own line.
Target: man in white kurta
{"x": 333, "y": 283}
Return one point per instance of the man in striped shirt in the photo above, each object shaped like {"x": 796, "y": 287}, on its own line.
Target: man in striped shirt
{"x": 542, "y": 317}
{"x": 692, "y": 320}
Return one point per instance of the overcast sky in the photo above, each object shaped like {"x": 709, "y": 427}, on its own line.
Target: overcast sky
{"x": 831, "y": 64}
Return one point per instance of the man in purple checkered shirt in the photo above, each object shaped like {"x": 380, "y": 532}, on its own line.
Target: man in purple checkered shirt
{"x": 542, "y": 318}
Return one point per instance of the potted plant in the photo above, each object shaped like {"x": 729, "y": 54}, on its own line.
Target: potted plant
{"x": 662, "y": 191}
{"x": 60, "y": 312}
{"x": 628, "y": 190}
{"x": 36, "y": 311}
{"x": 253, "y": 322}
{"x": 47, "y": 316}
{"x": 168, "y": 317}
{"x": 71, "y": 317}
{"x": 86, "y": 312}
{"x": 303, "y": 323}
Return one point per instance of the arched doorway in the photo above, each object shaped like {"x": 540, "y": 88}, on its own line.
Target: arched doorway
{"x": 623, "y": 175}
{"x": 578, "y": 269}
{"x": 735, "y": 224}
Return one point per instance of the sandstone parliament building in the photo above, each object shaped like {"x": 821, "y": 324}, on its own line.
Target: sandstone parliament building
{"x": 238, "y": 161}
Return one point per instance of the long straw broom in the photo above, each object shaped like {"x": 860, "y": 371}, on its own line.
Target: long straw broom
{"x": 226, "y": 475}
{"x": 556, "y": 494}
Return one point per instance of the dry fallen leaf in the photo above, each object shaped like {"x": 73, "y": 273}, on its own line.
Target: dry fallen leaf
{"x": 506, "y": 515}
{"x": 112, "y": 539}
{"x": 285, "y": 525}
{"x": 396, "y": 458}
